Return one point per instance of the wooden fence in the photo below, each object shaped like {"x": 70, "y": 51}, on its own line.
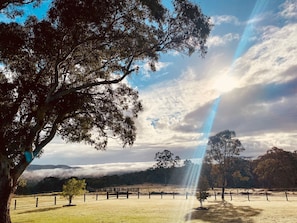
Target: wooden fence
{"x": 52, "y": 200}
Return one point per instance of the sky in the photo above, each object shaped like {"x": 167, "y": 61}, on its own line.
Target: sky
{"x": 250, "y": 71}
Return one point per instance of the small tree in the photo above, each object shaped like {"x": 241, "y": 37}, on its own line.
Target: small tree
{"x": 73, "y": 187}
{"x": 202, "y": 193}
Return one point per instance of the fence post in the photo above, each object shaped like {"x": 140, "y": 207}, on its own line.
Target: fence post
{"x": 15, "y": 204}
{"x": 266, "y": 196}
{"x": 138, "y": 194}
{"x": 286, "y": 195}
{"x": 84, "y": 197}
{"x": 149, "y": 195}
{"x": 162, "y": 195}
{"x": 248, "y": 194}
{"x": 231, "y": 195}
{"x": 215, "y": 194}
{"x": 173, "y": 195}
{"x": 117, "y": 195}
{"x": 107, "y": 195}
{"x": 127, "y": 194}
{"x": 55, "y": 200}
{"x": 96, "y": 197}
{"x": 36, "y": 202}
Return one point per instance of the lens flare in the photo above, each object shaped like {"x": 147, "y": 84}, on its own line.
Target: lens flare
{"x": 192, "y": 177}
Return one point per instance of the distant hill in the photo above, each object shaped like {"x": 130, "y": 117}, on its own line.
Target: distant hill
{"x": 47, "y": 167}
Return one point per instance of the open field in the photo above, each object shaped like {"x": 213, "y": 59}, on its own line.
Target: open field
{"x": 155, "y": 209}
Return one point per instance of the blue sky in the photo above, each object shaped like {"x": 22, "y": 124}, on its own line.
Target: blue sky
{"x": 251, "y": 65}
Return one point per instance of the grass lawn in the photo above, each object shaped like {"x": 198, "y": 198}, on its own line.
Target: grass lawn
{"x": 156, "y": 210}
{"x": 130, "y": 210}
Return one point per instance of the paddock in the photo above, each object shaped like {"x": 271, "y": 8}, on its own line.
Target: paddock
{"x": 256, "y": 206}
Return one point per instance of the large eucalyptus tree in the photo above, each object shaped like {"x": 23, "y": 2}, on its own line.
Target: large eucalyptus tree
{"x": 64, "y": 75}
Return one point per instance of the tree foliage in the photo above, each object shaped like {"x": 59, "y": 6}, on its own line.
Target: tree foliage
{"x": 166, "y": 159}
{"x": 223, "y": 148}
{"x": 73, "y": 187}
{"x": 202, "y": 193}
{"x": 188, "y": 163}
{"x": 64, "y": 75}
{"x": 277, "y": 168}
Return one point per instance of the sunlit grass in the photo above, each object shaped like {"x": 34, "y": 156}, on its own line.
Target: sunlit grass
{"x": 157, "y": 210}
{"x": 132, "y": 210}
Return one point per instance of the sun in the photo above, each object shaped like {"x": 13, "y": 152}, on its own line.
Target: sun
{"x": 225, "y": 83}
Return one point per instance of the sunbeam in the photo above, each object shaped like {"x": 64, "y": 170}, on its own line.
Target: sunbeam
{"x": 246, "y": 39}
{"x": 191, "y": 179}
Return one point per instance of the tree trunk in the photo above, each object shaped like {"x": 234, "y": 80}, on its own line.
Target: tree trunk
{"x": 70, "y": 199}
{"x": 6, "y": 191}
{"x": 8, "y": 185}
{"x": 224, "y": 185}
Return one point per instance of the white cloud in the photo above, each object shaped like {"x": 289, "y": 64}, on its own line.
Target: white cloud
{"x": 270, "y": 60}
{"x": 166, "y": 105}
{"x": 214, "y": 41}
{"x": 229, "y": 19}
{"x": 289, "y": 10}
{"x": 258, "y": 144}
{"x": 218, "y": 20}
{"x": 257, "y": 19}
{"x": 146, "y": 67}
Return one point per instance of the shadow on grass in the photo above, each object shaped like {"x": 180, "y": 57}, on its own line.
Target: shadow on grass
{"x": 224, "y": 212}
{"x": 40, "y": 210}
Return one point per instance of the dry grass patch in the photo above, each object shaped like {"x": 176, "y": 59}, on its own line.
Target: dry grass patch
{"x": 157, "y": 210}
{"x": 132, "y": 210}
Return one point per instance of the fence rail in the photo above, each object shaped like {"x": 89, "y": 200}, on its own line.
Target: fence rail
{"x": 55, "y": 200}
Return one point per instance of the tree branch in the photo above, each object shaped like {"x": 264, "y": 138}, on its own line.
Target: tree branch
{"x": 93, "y": 84}
{"x": 49, "y": 138}
{"x": 4, "y": 3}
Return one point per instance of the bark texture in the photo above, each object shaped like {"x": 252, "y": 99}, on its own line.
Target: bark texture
{"x": 7, "y": 188}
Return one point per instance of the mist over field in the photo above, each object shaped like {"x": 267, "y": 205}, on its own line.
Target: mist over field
{"x": 95, "y": 170}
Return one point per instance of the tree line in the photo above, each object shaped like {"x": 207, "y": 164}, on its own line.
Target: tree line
{"x": 276, "y": 169}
